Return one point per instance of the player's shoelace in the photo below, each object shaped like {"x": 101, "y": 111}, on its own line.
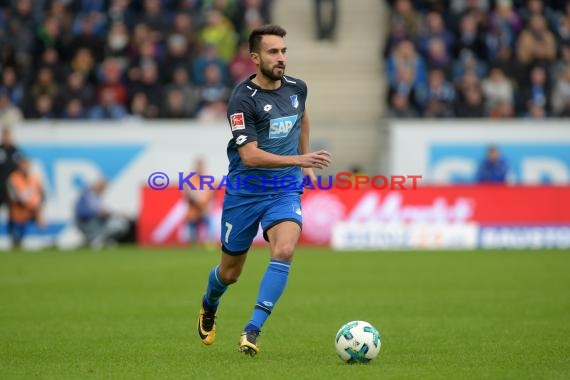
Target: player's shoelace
{"x": 208, "y": 321}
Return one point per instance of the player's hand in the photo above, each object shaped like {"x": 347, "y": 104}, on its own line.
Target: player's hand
{"x": 319, "y": 160}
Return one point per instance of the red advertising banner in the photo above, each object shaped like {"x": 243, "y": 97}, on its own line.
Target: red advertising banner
{"x": 161, "y": 219}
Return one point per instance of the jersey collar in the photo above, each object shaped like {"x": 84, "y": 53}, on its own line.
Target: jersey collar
{"x": 252, "y": 84}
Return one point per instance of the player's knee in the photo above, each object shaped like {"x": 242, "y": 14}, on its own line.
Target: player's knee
{"x": 284, "y": 251}
{"x": 230, "y": 276}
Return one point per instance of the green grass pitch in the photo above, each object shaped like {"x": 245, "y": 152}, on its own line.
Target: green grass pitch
{"x": 131, "y": 314}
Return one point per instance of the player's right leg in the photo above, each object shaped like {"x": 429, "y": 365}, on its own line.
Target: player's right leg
{"x": 219, "y": 279}
{"x": 240, "y": 222}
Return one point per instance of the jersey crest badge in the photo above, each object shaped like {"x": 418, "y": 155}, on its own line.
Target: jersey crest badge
{"x": 237, "y": 121}
{"x": 294, "y": 101}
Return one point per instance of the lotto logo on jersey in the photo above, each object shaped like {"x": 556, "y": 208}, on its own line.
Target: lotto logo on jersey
{"x": 279, "y": 128}
{"x": 237, "y": 121}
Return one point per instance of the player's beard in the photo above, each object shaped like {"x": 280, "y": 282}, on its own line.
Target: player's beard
{"x": 270, "y": 72}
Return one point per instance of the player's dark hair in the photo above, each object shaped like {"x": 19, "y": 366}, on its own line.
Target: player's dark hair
{"x": 265, "y": 30}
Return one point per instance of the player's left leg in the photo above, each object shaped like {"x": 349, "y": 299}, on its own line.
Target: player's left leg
{"x": 282, "y": 228}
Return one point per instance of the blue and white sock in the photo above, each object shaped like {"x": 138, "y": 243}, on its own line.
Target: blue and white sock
{"x": 271, "y": 288}
{"x": 216, "y": 287}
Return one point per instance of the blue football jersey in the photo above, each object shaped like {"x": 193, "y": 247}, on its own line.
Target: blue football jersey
{"x": 273, "y": 119}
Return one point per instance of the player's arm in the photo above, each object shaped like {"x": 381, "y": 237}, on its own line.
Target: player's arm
{"x": 242, "y": 122}
{"x": 304, "y": 138}
{"x": 304, "y": 145}
{"x": 252, "y": 156}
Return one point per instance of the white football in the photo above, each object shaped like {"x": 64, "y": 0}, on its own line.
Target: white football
{"x": 357, "y": 342}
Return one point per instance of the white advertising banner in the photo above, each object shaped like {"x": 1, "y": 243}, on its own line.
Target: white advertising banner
{"x": 375, "y": 236}
{"x": 534, "y": 237}
{"x": 449, "y": 151}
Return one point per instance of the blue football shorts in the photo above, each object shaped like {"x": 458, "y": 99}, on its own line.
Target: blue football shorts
{"x": 241, "y": 216}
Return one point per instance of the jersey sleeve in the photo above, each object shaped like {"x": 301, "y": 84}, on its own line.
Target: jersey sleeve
{"x": 241, "y": 116}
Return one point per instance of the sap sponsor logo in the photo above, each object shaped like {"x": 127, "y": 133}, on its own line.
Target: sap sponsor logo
{"x": 525, "y": 237}
{"x": 279, "y": 128}
{"x": 65, "y": 169}
{"x": 540, "y": 163}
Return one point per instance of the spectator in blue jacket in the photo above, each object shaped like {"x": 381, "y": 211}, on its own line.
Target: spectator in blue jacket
{"x": 99, "y": 227}
{"x": 494, "y": 168}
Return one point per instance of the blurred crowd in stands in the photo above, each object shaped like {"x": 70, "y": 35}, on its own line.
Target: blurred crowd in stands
{"x": 117, "y": 59}
{"x": 478, "y": 58}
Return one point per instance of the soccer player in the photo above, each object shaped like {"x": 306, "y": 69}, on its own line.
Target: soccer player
{"x": 269, "y": 157}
